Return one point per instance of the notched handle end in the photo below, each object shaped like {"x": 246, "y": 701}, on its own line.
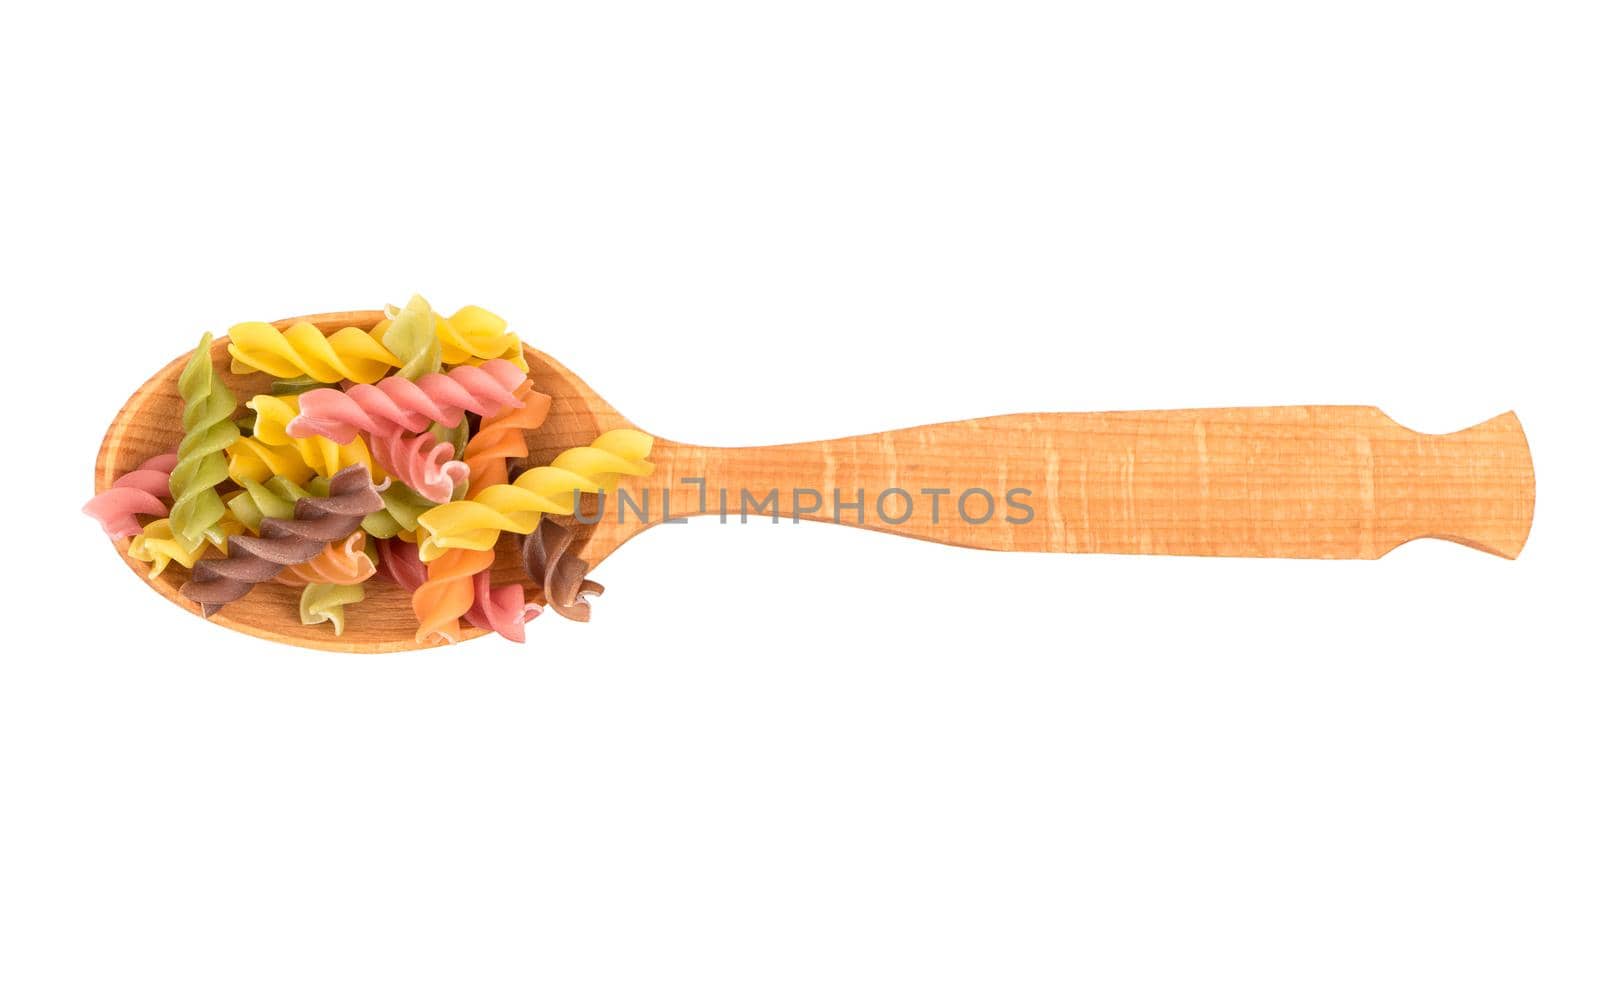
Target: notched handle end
{"x": 1474, "y": 487}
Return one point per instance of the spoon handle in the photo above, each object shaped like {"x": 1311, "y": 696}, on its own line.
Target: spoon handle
{"x": 1328, "y": 482}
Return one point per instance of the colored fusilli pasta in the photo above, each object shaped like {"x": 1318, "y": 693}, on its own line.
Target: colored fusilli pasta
{"x": 421, "y": 462}
{"x": 342, "y": 562}
{"x": 447, "y": 595}
{"x": 558, "y": 575}
{"x": 410, "y": 334}
{"x": 474, "y": 333}
{"x": 252, "y": 459}
{"x": 302, "y": 350}
{"x": 321, "y": 602}
{"x": 208, "y": 429}
{"x": 157, "y": 545}
{"x": 395, "y": 403}
{"x": 502, "y": 438}
{"x": 476, "y": 523}
{"x": 143, "y": 491}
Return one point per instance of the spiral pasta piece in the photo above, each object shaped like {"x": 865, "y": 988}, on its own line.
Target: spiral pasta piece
{"x": 321, "y": 602}
{"x": 208, "y": 430}
{"x": 251, "y": 459}
{"x": 144, "y": 490}
{"x": 302, "y": 350}
{"x": 476, "y": 523}
{"x": 421, "y": 462}
{"x": 323, "y": 456}
{"x": 157, "y": 545}
{"x": 342, "y": 562}
{"x": 447, "y": 595}
{"x": 410, "y": 334}
{"x": 474, "y": 333}
{"x": 399, "y": 562}
{"x": 558, "y": 574}
{"x": 396, "y": 403}
{"x": 283, "y": 542}
{"x": 503, "y": 609}
{"x": 500, "y": 439}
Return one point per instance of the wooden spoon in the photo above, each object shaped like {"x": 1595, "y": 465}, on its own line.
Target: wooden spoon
{"x": 1328, "y": 482}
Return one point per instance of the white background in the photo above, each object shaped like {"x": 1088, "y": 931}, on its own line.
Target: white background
{"x": 804, "y": 762}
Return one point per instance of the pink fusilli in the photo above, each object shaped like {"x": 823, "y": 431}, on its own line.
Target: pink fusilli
{"x": 144, "y": 491}
{"x": 503, "y": 609}
{"x": 400, "y": 562}
{"x": 395, "y": 403}
{"x": 421, "y": 462}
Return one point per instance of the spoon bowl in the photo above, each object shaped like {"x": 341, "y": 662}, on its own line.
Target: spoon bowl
{"x": 151, "y": 423}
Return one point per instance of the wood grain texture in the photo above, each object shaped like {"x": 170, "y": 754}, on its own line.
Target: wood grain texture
{"x": 1309, "y": 482}
{"x": 1322, "y": 482}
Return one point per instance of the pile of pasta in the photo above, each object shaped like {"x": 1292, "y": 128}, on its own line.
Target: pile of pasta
{"x": 387, "y": 452}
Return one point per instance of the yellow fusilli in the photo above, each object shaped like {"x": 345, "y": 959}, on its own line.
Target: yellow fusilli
{"x": 158, "y": 546}
{"x": 477, "y": 523}
{"x": 474, "y": 333}
{"x": 303, "y": 350}
{"x": 250, "y": 459}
